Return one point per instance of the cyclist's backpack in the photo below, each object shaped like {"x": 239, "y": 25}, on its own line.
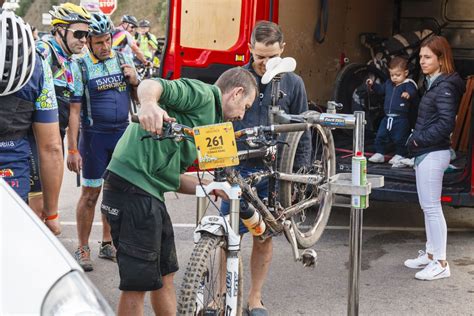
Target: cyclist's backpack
{"x": 62, "y": 93}
{"x": 85, "y": 79}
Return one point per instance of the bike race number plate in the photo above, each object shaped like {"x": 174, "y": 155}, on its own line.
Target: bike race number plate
{"x": 216, "y": 146}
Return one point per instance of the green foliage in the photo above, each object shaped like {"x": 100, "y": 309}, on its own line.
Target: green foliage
{"x": 24, "y": 6}
{"x": 162, "y": 12}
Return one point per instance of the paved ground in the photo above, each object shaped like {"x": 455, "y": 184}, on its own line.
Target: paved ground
{"x": 392, "y": 233}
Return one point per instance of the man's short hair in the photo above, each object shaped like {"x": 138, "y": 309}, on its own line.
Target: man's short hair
{"x": 266, "y": 32}
{"x": 398, "y": 62}
{"x": 237, "y": 77}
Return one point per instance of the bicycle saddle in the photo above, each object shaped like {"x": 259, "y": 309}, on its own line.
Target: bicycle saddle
{"x": 276, "y": 66}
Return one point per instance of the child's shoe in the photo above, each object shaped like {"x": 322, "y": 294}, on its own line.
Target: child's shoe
{"x": 395, "y": 159}
{"x": 377, "y": 158}
{"x": 409, "y": 162}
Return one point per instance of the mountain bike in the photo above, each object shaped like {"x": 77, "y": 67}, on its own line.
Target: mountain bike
{"x": 298, "y": 204}
{"x": 300, "y": 211}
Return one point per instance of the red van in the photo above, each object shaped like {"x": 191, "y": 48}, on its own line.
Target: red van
{"x": 206, "y": 37}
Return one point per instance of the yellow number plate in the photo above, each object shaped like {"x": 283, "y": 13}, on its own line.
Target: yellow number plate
{"x": 216, "y": 146}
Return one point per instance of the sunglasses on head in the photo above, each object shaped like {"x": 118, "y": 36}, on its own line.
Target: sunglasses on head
{"x": 78, "y": 33}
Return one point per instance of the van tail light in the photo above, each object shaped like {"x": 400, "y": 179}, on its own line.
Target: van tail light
{"x": 447, "y": 199}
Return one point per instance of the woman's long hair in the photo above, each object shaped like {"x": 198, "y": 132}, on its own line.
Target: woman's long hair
{"x": 441, "y": 48}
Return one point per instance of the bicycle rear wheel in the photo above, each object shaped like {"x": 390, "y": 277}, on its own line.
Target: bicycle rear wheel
{"x": 202, "y": 290}
{"x": 310, "y": 223}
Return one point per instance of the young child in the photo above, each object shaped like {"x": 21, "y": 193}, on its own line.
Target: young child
{"x": 400, "y": 93}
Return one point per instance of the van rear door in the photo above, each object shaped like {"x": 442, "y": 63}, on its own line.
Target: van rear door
{"x": 205, "y": 38}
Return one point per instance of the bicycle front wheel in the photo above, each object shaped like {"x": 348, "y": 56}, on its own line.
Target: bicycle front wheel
{"x": 310, "y": 223}
{"x": 203, "y": 287}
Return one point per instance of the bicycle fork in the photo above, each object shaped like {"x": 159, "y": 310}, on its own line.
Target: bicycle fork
{"x": 221, "y": 226}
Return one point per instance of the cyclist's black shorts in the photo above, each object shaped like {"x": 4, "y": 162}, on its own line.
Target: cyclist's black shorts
{"x": 142, "y": 233}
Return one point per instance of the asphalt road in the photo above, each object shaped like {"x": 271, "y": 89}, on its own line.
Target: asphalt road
{"x": 392, "y": 233}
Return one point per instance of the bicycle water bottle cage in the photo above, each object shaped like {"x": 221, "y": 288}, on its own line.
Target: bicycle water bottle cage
{"x": 276, "y": 66}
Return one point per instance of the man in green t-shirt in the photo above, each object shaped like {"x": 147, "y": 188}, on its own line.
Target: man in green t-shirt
{"x": 140, "y": 172}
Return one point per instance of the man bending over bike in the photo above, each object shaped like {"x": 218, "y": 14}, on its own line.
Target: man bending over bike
{"x": 267, "y": 42}
{"x": 140, "y": 172}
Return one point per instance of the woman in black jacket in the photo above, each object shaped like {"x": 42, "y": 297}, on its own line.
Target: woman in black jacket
{"x": 429, "y": 143}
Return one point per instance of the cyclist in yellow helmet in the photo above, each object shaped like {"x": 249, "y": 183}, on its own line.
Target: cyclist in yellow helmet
{"x": 70, "y": 22}
{"x": 69, "y": 36}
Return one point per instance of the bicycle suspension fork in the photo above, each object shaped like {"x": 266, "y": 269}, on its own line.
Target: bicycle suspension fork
{"x": 220, "y": 226}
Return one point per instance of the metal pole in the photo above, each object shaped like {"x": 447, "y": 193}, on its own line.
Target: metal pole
{"x": 355, "y": 239}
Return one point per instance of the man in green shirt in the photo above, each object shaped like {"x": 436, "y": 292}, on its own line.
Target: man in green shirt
{"x": 140, "y": 172}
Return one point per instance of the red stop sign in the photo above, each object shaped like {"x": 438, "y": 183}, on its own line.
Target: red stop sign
{"x": 108, "y": 6}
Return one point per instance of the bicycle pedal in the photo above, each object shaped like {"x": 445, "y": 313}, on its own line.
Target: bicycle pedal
{"x": 309, "y": 257}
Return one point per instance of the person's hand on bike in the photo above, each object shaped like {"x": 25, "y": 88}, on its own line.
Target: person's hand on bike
{"x": 131, "y": 75}
{"x": 74, "y": 161}
{"x": 219, "y": 194}
{"x": 152, "y": 116}
{"x": 405, "y": 95}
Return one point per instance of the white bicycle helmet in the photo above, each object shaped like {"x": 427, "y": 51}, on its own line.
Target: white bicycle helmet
{"x": 17, "y": 53}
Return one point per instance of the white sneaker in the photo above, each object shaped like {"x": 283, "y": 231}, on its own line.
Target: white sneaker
{"x": 409, "y": 162}
{"x": 434, "y": 271}
{"x": 395, "y": 159}
{"x": 398, "y": 164}
{"x": 419, "y": 263}
{"x": 377, "y": 158}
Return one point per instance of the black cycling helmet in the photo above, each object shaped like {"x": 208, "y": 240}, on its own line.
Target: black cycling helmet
{"x": 17, "y": 57}
{"x": 144, "y": 23}
{"x": 130, "y": 19}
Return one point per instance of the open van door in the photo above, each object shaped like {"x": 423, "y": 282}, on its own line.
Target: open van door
{"x": 204, "y": 40}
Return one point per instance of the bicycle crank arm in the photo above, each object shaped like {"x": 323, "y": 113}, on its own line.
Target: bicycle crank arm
{"x": 309, "y": 256}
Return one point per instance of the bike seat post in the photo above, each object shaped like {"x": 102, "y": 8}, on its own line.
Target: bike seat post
{"x": 276, "y": 96}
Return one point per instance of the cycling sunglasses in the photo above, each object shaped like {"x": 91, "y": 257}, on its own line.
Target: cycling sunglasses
{"x": 78, "y": 33}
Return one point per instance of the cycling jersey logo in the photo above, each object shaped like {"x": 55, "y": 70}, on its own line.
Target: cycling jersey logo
{"x": 46, "y": 99}
{"x": 7, "y": 144}
{"x": 111, "y": 82}
{"x": 6, "y": 173}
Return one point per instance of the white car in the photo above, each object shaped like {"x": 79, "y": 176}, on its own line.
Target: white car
{"x": 38, "y": 276}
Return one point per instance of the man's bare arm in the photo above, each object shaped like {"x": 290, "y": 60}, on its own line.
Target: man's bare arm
{"x": 50, "y": 152}
{"x": 74, "y": 160}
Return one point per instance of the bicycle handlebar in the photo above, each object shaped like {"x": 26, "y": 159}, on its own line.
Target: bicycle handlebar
{"x": 286, "y": 128}
{"x": 179, "y": 132}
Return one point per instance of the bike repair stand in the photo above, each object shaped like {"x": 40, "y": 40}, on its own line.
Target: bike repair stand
{"x": 358, "y": 185}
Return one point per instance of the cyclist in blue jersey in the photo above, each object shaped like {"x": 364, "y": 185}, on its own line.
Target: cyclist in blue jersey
{"x": 27, "y": 99}
{"x": 109, "y": 78}
{"x": 70, "y": 29}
